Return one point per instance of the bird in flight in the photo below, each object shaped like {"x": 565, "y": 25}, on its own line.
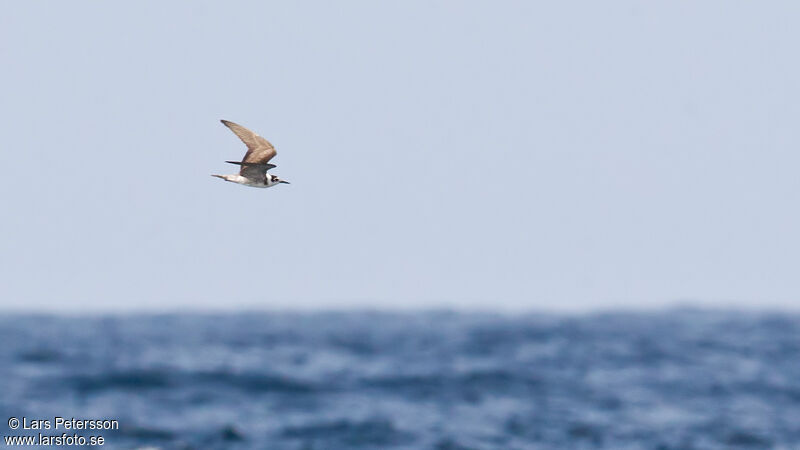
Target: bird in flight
{"x": 255, "y": 164}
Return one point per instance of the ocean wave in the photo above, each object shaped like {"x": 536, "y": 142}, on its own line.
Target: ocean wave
{"x": 670, "y": 380}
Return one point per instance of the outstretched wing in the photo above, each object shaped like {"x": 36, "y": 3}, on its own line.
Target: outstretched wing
{"x": 259, "y": 152}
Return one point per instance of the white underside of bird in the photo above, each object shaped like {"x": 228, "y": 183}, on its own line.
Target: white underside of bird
{"x": 267, "y": 182}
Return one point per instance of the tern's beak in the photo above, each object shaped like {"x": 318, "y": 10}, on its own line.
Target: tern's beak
{"x": 283, "y": 181}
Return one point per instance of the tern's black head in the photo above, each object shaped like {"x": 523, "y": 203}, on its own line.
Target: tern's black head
{"x": 274, "y": 179}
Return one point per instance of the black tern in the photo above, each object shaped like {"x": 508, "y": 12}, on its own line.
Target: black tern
{"x": 255, "y": 164}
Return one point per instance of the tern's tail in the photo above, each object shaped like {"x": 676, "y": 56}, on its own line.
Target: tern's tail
{"x": 224, "y": 177}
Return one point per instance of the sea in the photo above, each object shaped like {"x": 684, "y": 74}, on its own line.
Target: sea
{"x": 673, "y": 379}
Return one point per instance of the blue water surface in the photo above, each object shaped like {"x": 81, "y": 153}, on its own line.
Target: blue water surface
{"x": 679, "y": 379}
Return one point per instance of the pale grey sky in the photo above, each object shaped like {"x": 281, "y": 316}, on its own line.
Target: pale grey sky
{"x": 537, "y": 155}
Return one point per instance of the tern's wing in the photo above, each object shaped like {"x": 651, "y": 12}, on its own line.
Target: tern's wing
{"x": 252, "y": 170}
{"x": 259, "y": 151}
